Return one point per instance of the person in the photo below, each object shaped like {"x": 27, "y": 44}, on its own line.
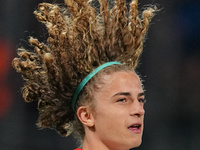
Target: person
{"x": 84, "y": 76}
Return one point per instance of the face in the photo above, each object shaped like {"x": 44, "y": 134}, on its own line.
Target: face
{"x": 119, "y": 112}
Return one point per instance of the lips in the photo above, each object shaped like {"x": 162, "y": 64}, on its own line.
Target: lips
{"x": 136, "y": 128}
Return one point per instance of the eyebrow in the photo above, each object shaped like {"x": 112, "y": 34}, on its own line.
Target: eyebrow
{"x": 141, "y": 94}
{"x": 128, "y": 94}
{"x": 122, "y": 93}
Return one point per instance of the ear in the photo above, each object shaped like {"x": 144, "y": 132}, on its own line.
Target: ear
{"x": 85, "y": 116}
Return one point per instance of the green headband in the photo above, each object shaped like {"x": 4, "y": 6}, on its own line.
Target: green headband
{"x": 83, "y": 83}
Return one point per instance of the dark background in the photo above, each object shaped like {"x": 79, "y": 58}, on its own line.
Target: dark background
{"x": 170, "y": 66}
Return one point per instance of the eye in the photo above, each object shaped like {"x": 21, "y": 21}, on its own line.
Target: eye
{"x": 122, "y": 100}
{"x": 142, "y": 101}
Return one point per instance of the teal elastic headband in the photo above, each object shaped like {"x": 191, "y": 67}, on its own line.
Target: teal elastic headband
{"x": 83, "y": 83}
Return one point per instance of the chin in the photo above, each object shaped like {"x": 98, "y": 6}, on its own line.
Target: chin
{"x": 136, "y": 143}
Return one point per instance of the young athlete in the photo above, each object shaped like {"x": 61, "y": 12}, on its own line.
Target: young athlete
{"x": 83, "y": 76}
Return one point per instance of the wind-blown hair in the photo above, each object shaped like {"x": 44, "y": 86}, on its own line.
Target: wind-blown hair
{"x": 80, "y": 39}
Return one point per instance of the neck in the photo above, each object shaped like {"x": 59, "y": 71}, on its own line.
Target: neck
{"x": 92, "y": 142}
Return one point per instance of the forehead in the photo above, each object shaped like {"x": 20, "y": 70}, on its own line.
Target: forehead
{"x": 120, "y": 82}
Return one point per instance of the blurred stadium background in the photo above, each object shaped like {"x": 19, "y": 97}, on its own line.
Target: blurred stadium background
{"x": 170, "y": 66}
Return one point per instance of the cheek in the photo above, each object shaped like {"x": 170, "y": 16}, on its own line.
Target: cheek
{"x": 106, "y": 127}
{"x": 108, "y": 121}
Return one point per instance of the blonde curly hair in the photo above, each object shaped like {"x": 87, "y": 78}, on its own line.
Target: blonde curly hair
{"x": 80, "y": 39}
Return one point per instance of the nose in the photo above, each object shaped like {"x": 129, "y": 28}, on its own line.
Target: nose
{"x": 137, "y": 109}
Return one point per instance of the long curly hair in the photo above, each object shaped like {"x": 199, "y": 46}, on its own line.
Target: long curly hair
{"x": 80, "y": 39}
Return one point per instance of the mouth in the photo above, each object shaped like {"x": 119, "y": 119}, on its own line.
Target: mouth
{"x": 136, "y": 128}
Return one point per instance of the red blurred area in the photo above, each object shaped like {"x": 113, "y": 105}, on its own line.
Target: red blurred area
{"x": 5, "y": 100}
{"x": 5, "y": 67}
{"x": 5, "y": 58}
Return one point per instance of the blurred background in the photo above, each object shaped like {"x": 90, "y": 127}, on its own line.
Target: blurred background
{"x": 170, "y": 66}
